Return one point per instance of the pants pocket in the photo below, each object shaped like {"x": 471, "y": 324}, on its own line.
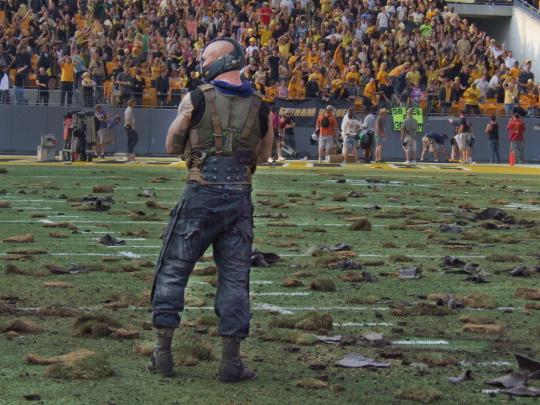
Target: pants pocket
{"x": 189, "y": 234}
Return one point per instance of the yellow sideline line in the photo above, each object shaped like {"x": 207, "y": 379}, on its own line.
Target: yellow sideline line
{"x": 293, "y": 165}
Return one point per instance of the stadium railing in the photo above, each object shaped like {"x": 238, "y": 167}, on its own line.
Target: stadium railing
{"x": 532, "y": 7}
{"x": 31, "y": 96}
{"x": 483, "y": 2}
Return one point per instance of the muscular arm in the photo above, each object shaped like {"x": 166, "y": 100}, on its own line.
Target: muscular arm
{"x": 178, "y": 132}
{"x": 265, "y": 150}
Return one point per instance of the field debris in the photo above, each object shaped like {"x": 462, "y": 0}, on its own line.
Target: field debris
{"x": 68, "y": 358}
{"x": 419, "y": 394}
{"x": 95, "y": 326}
{"x": 103, "y": 188}
{"x": 22, "y": 326}
{"x": 408, "y": 273}
{"x": 109, "y": 240}
{"x": 323, "y": 284}
{"x": 261, "y": 259}
{"x": 465, "y": 376}
{"x": 95, "y": 367}
{"x": 311, "y": 384}
{"x": 26, "y": 238}
{"x": 354, "y": 360}
{"x": 191, "y": 353}
{"x": 362, "y": 224}
{"x": 312, "y": 321}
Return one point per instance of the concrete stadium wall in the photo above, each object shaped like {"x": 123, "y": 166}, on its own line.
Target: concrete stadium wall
{"x": 22, "y": 126}
{"x": 522, "y": 37}
{"x": 519, "y": 32}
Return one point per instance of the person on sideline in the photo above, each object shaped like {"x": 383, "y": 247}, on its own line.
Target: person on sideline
{"x": 380, "y": 137}
{"x": 516, "y": 132}
{"x": 326, "y": 125}
{"x": 129, "y": 125}
{"x": 492, "y": 132}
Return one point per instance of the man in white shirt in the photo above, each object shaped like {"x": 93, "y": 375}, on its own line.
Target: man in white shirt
{"x": 4, "y": 85}
{"x": 129, "y": 125}
{"x": 509, "y": 60}
{"x": 382, "y": 20}
{"x": 390, "y": 9}
{"x": 350, "y": 129}
{"x": 401, "y": 12}
{"x": 482, "y": 84}
{"x": 252, "y": 47}
{"x": 494, "y": 85}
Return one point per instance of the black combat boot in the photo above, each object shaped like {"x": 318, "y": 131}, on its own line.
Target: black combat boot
{"x": 161, "y": 361}
{"x": 232, "y": 369}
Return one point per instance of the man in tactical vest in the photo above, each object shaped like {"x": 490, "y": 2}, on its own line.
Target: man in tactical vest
{"x": 222, "y": 129}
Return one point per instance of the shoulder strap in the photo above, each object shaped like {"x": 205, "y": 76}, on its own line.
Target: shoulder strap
{"x": 210, "y": 95}
{"x": 253, "y": 113}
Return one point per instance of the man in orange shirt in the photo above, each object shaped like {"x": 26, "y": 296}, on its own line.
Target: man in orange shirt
{"x": 326, "y": 127}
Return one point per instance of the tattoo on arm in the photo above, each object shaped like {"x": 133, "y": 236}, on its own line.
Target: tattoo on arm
{"x": 179, "y": 129}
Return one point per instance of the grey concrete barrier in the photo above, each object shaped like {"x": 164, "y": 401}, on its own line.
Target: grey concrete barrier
{"x": 21, "y": 127}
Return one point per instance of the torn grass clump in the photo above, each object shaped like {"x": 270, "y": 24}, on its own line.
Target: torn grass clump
{"x": 400, "y": 259}
{"x": 291, "y": 282}
{"x": 191, "y": 353}
{"x": 361, "y": 224}
{"x": 338, "y": 197}
{"x": 290, "y": 336}
{"x": 494, "y": 328}
{"x": 205, "y": 271}
{"x": 323, "y": 284}
{"x": 21, "y": 326}
{"x": 144, "y": 348}
{"x": 532, "y": 294}
{"x": 419, "y": 394}
{"x": 95, "y": 326}
{"x": 89, "y": 368}
{"x": 503, "y": 258}
{"x": 313, "y": 321}
{"x": 311, "y": 384}
{"x": 423, "y": 309}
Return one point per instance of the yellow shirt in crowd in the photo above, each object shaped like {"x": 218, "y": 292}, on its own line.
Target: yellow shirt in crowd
{"x": 265, "y": 34}
{"x": 472, "y": 96}
{"x": 68, "y": 72}
{"x": 354, "y": 76}
{"x": 318, "y": 77}
{"x": 312, "y": 60}
{"x": 382, "y": 77}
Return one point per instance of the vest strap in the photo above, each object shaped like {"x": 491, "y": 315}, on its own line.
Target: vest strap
{"x": 253, "y": 112}
{"x": 210, "y": 95}
{"x": 194, "y": 174}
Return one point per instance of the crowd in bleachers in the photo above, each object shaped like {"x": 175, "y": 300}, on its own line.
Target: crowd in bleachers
{"x": 377, "y": 53}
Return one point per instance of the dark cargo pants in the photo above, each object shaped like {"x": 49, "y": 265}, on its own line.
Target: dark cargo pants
{"x": 207, "y": 216}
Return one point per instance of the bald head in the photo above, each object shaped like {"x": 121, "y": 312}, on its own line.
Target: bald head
{"x": 216, "y": 50}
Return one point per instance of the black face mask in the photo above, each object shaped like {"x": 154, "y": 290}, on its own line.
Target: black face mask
{"x": 227, "y": 63}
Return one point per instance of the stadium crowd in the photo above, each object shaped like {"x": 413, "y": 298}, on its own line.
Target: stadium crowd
{"x": 377, "y": 53}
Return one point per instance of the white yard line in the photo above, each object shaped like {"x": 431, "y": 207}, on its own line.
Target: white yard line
{"x": 354, "y": 324}
{"x": 281, "y": 294}
{"x": 380, "y": 255}
{"x": 495, "y": 363}
{"x": 421, "y": 342}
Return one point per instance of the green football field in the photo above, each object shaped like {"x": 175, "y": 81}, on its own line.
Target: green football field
{"x": 71, "y": 294}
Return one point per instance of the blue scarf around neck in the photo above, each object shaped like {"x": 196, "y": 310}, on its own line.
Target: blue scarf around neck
{"x": 243, "y": 90}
